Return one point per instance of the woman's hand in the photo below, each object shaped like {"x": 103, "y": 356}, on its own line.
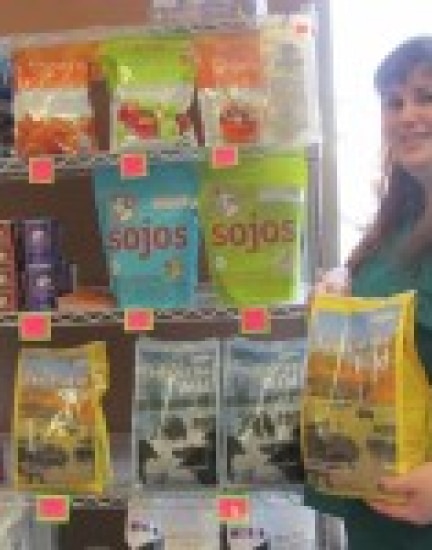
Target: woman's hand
{"x": 415, "y": 492}
{"x": 334, "y": 281}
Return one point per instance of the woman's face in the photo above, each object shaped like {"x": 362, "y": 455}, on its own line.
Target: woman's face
{"x": 407, "y": 122}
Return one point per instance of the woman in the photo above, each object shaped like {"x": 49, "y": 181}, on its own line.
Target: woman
{"x": 396, "y": 255}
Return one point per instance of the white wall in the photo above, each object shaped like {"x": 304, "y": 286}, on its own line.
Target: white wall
{"x": 363, "y": 32}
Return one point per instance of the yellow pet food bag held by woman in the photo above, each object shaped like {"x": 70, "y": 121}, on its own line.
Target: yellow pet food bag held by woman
{"x": 364, "y": 410}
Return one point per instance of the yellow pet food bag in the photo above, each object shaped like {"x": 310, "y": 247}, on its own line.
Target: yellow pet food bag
{"x": 60, "y": 435}
{"x": 365, "y": 401}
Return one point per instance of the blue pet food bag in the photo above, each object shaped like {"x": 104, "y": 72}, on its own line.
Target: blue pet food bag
{"x": 150, "y": 234}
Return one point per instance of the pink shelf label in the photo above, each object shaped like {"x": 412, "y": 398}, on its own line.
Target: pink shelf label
{"x": 35, "y": 326}
{"x": 133, "y": 165}
{"x": 255, "y": 320}
{"x": 302, "y": 26}
{"x": 41, "y": 170}
{"x": 138, "y": 320}
{"x": 54, "y": 509}
{"x": 224, "y": 156}
{"x": 233, "y": 509}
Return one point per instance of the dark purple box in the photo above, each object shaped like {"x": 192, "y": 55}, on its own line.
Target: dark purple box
{"x": 40, "y": 287}
{"x": 40, "y": 240}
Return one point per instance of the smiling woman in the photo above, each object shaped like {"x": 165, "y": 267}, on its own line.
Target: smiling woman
{"x": 407, "y": 116}
{"x": 395, "y": 255}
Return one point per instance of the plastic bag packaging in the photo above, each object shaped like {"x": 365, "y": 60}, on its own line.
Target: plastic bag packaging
{"x": 15, "y": 520}
{"x": 365, "y": 403}
{"x": 150, "y": 235}
{"x": 276, "y": 521}
{"x": 175, "y": 412}
{"x": 60, "y": 439}
{"x": 253, "y": 220}
{"x": 53, "y": 113}
{"x": 230, "y": 80}
{"x": 288, "y": 50}
{"x": 152, "y": 83}
{"x": 62, "y": 66}
{"x": 172, "y": 521}
{"x": 263, "y": 381}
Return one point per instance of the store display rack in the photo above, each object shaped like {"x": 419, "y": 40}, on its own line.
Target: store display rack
{"x": 117, "y": 316}
{"x": 15, "y": 166}
{"x": 208, "y": 314}
{"x": 86, "y": 502}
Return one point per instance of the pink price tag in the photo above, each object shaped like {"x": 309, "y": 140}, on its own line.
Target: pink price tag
{"x": 301, "y": 25}
{"x": 133, "y": 165}
{"x": 35, "y": 326}
{"x": 138, "y": 320}
{"x": 53, "y": 508}
{"x": 234, "y": 509}
{"x": 255, "y": 320}
{"x": 41, "y": 170}
{"x": 224, "y": 156}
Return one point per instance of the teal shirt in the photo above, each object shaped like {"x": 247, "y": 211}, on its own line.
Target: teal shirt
{"x": 380, "y": 275}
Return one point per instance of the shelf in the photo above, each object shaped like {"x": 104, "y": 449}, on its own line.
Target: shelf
{"x": 91, "y": 502}
{"x": 119, "y": 501}
{"x": 15, "y": 166}
{"x": 117, "y": 316}
{"x": 19, "y": 500}
{"x": 102, "y": 32}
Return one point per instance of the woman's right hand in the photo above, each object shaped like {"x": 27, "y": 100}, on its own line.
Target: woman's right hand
{"x": 334, "y": 281}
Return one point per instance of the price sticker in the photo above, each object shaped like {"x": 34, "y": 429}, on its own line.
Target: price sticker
{"x": 234, "y": 509}
{"x": 41, "y": 171}
{"x": 255, "y": 320}
{"x": 138, "y": 320}
{"x": 35, "y": 326}
{"x": 133, "y": 166}
{"x": 53, "y": 508}
{"x": 224, "y": 156}
{"x": 301, "y": 26}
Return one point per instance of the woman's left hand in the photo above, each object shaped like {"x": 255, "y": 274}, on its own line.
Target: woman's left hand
{"x": 414, "y": 490}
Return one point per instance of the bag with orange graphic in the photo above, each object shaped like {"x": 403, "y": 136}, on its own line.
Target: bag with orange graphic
{"x": 53, "y": 111}
{"x": 365, "y": 402}
{"x": 60, "y": 437}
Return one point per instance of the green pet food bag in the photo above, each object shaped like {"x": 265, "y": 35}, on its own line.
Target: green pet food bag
{"x": 253, "y": 219}
{"x": 152, "y": 86}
